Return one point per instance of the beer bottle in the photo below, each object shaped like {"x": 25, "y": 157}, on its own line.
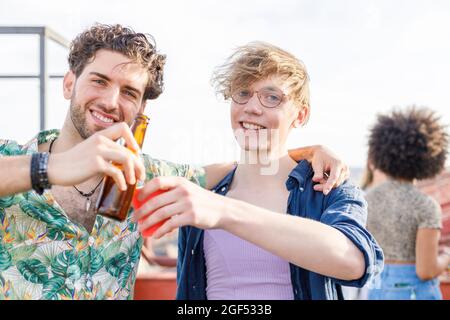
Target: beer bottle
{"x": 113, "y": 202}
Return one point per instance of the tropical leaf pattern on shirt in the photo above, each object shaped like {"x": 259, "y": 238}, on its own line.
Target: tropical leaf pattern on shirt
{"x": 115, "y": 265}
{"x": 55, "y": 234}
{"x": 5, "y": 258}
{"x": 96, "y": 262}
{"x": 10, "y": 148}
{"x": 56, "y": 289}
{"x": 33, "y": 271}
{"x": 51, "y": 216}
{"x": 67, "y": 264}
{"x": 44, "y": 255}
{"x": 22, "y": 253}
{"x": 7, "y": 202}
{"x": 135, "y": 251}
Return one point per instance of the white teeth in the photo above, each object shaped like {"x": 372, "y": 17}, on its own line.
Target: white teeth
{"x": 102, "y": 118}
{"x": 251, "y": 126}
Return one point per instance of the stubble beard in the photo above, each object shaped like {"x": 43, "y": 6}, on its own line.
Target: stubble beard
{"x": 78, "y": 117}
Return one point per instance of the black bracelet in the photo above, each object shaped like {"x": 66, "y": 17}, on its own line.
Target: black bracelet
{"x": 39, "y": 177}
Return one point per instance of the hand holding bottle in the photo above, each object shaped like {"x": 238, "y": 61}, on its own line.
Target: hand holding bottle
{"x": 95, "y": 156}
{"x": 113, "y": 201}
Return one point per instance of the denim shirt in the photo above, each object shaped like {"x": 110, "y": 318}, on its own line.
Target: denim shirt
{"x": 344, "y": 209}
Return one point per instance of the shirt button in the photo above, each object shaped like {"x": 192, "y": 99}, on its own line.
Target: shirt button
{"x": 223, "y": 189}
{"x": 192, "y": 252}
{"x": 301, "y": 189}
{"x": 193, "y": 287}
{"x": 296, "y": 292}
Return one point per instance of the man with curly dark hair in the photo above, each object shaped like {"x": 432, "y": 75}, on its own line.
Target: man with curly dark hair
{"x": 52, "y": 244}
{"x": 407, "y": 145}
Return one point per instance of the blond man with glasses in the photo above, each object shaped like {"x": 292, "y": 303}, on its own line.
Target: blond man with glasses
{"x": 264, "y": 234}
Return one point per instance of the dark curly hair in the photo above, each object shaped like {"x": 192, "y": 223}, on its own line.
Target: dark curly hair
{"x": 409, "y": 144}
{"x": 139, "y": 47}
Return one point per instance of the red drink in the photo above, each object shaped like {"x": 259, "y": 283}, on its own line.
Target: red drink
{"x": 137, "y": 204}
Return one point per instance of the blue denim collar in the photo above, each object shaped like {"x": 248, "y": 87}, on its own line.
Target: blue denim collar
{"x": 299, "y": 175}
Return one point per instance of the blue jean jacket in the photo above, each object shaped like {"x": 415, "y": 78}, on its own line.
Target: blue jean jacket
{"x": 344, "y": 208}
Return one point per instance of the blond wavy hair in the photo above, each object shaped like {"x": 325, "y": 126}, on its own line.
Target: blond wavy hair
{"x": 260, "y": 60}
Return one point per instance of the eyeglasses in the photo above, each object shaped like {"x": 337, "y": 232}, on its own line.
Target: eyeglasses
{"x": 268, "y": 97}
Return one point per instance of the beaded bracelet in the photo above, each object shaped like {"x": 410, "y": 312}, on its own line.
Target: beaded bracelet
{"x": 39, "y": 177}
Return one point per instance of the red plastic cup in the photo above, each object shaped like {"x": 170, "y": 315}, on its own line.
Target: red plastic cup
{"x": 137, "y": 204}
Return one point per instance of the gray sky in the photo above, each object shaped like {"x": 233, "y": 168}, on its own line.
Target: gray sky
{"x": 363, "y": 57}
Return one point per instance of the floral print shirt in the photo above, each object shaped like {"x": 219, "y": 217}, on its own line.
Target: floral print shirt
{"x": 45, "y": 255}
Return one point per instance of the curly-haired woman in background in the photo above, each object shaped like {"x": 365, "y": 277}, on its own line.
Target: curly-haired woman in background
{"x": 407, "y": 146}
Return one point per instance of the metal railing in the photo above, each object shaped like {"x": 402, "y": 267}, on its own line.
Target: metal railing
{"x": 44, "y": 33}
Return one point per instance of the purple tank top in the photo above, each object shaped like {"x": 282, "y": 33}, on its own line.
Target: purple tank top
{"x": 239, "y": 270}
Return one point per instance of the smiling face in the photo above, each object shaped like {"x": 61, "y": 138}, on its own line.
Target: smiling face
{"x": 265, "y": 129}
{"x": 109, "y": 90}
